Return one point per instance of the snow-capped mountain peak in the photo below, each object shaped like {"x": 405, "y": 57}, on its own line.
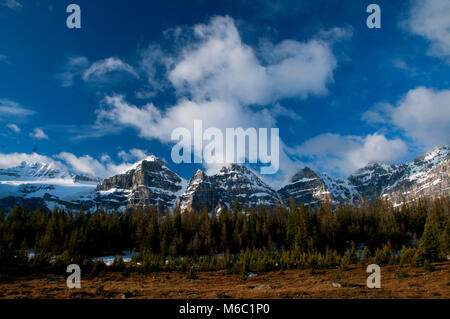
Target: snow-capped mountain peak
{"x": 149, "y": 182}
{"x": 150, "y": 158}
{"x": 35, "y": 171}
{"x": 232, "y": 182}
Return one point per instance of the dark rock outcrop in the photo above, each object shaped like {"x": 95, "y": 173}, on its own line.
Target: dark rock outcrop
{"x": 306, "y": 187}
{"x": 148, "y": 183}
{"x": 222, "y": 190}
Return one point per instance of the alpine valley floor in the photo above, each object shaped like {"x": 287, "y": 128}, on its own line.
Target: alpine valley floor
{"x": 406, "y": 282}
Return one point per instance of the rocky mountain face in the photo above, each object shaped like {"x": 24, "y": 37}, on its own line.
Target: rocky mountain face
{"x": 311, "y": 188}
{"x": 222, "y": 190}
{"x": 427, "y": 175}
{"x": 306, "y": 187}
{"x": 43, "y": 184}
{"x": 150, "y": 182}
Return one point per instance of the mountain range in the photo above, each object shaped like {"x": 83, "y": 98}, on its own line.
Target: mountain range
{"x": 150, "y": 183}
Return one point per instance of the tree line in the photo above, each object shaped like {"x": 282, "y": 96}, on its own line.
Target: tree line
{"x": 258, "y": 238}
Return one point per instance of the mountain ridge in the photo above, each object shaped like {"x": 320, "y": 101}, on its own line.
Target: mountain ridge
{"x": 149, "y": 182}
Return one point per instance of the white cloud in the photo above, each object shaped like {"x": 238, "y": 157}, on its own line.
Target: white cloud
{"x": 151, "y": 123}
{"x": 423, "y": 114}
{"x": 279, "y": 110}
{"x": 103, "y": 168}
{"x": 74, "y": 67}
{"x": 380, "y": 113}
{"x": 153, "y": 63}
{"x": 343, "y": 154}
{"x": 336, "y": 34}
{"x": 11, "y": 4}
{"x": 134, "y": 154}
{"x": 14, "y": 127}
{"x": 39, "y": 134}
{"x": 14, "y": 159}
{"x": 218, "y": 79}
{"x": 219, "y": 65}
{"x": 100, "y": 70}
{"x": 430, "y": 19}
{"x": 84, "y": 164}
{"x": 67, "y": 161}
{"x": 13, "y": 110}
{"x": 105, "y": 158}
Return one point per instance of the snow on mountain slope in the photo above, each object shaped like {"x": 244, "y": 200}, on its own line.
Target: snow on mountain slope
{"x": 43, "y": 181}
{"x": 311, "y": 188}
{"x": 150, "y": 182}
{"x": 146, "y": 183}
{"x": 427, "y": 175}
{"x": 221, "y": 190}
{"x": 34, "y": 171}
{"x": 341, "y": 190}
{"x": 306, "y": 187}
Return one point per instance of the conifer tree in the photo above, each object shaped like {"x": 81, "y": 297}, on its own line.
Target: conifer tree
{"x": 429, "y": 243}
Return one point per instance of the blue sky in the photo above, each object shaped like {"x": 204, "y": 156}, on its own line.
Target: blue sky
{"x": 101, "y": 97}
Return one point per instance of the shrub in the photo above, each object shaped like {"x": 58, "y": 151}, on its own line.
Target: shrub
{"x": 345, "y": 261}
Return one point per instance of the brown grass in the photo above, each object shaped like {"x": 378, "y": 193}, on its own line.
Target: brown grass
{"x": 396, "y": 282}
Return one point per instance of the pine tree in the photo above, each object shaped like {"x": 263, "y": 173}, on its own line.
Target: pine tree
{"x": 446, "y": 241}
{"x": 152, "y": 239}
{"x": 429, "y": 243}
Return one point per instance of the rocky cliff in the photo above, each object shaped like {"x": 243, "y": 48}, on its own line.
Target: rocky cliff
{"x": 148, "y": 183}
{"x": 222, "y": 189}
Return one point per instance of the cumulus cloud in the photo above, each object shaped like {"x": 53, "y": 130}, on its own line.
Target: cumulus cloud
{"x": 100, "y": 70}
{"x": 13, "y": 127}
{"x": 423, "y": 114}
{"x": 219, "y": 79}
{"x": 430, "y": 19}
{"x": 88, "y": 165}
{"x": 151, "y": 123}
{"x": 14, "y": 159}
{"x": 105, "y": 167}
{"x": 39, "y": 134}
{"x": 343, "y": 154}
{"x": 219, "y": 65}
